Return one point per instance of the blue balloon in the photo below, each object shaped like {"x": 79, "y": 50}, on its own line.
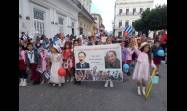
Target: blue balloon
{"x": 126, "y": 71}
{"x": 125, "y": 67}
{"x": 161, "y": 53}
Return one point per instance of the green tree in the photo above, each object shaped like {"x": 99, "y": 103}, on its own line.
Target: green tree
{"x": 156, "y": 19}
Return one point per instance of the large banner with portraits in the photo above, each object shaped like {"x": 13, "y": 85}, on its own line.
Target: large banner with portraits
{"x": 98, "y": 62}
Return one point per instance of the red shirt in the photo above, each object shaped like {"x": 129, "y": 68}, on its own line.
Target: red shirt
{"x": 67, "y": 53}
{"x": 163, "y": 38}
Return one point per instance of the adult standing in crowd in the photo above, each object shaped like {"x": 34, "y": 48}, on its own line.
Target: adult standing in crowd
{"x": 76, "y": 43}
{"x": 61, "y": 40}
{"x": 109, "y": 81}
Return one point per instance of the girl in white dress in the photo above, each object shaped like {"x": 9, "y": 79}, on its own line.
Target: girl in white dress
{"x": 56, "y": 64}
{"x": 142, "y": 68}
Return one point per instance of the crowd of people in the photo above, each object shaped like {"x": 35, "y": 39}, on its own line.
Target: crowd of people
{"x": 40, "y": 59}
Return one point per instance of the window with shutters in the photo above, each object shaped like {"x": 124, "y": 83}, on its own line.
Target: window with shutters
{"x": 39, "y": 21}
{"x": 134, "y": 11}
{"x": 72, "y": 24}
{"x": 127, "y": 11}
{"x": 141, "y": 10}
{"x": 126, "y": 23}
{"x": 120, "y": 11}
{"x": 119, "y": 34}
{"x": 61, "y": 24}
{"x": 60, "y": 20}
{"x": 133, "y": 22}
{"x": 120, "y": 23}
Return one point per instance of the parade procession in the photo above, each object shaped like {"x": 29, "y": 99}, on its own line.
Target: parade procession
{"x": 67, "y": 54}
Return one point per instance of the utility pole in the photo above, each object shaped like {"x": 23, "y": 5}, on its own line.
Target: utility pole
{"x": 114, "y": 19}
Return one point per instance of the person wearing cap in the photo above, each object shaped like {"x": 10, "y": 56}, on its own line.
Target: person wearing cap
{"x": 142, "y": 68}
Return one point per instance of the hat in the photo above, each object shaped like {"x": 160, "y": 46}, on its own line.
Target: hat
{"x": 57, "y": 48}
{"x": 80, "y": 36}
{"x": 143, "y": 44}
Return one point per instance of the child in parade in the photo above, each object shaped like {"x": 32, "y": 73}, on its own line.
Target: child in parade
{"x": 32, "y": 60}
{"x": 45, "y": 42}
{"x": 24, "y": 44}
{"x": 37, "y": 44}
{"x": 129, "y": 52}
{"x": 142, "y": 68}
{"x": 156, "y": 58}
{"x": 56, "y": 64}
{"x": 22, "y": 67}
{"x": 70, "y": 63}
{"x": 43, "y": 61}
{"x": 76, "y": 81}
{"x": 134, "y": 55}
{"x": 43, "y": 58}
{"x": 124, "y": 59}
{"x": 67, "y": 53}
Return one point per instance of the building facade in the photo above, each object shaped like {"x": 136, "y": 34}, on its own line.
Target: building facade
{"x": 85, "y": 20}
{"x": 86, "y": 4}
{"x": 49, "y": 17}
{"x": 99, "y": 22}
{"x": 85, "y": 25}
{"x": 127, "y": 11}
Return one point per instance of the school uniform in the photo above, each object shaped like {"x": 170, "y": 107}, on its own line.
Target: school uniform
{"x": 32, "y": 58}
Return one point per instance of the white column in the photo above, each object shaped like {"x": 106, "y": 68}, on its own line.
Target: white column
{"x": 130, "y": 22}
{"x": 20, "y": 19}
{"x": 67, "y": 26}
{"x": 76, "y": 28}
{"x": 47, "y": 19}
{"x": 56, "y": 21}
{"x": 51, "y": 26}
{"x": 54, "y": 28}
{"x": 26, "y": 9}
{"x": 20, "y": 7}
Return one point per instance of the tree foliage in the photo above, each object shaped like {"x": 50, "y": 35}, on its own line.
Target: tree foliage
{"x": 155, "y": 19}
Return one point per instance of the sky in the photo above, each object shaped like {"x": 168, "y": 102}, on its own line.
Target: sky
{"x": 106, "y": 9}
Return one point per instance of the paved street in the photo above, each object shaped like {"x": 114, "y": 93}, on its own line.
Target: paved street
{"x": 92, "y": 96}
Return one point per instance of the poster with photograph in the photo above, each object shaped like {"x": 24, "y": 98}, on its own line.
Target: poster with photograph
{"x": 98, "y": 62}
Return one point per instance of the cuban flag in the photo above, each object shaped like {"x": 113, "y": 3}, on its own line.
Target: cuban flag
{"x": 129, "y": 30}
